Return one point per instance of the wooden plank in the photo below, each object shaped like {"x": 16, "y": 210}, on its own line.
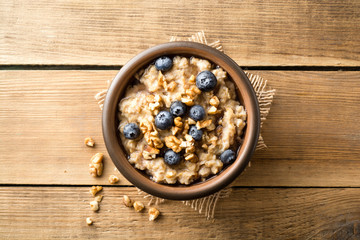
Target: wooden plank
{"x": 254, "y": 33}
{"x": 60, "y": 212}
{"x": 312, "y": 131}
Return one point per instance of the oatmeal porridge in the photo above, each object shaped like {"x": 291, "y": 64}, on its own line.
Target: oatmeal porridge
{"x": 181, "y": 121}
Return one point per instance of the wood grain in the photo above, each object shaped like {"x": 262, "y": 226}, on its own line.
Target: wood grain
{"x": 57, "y": 212}
{"x": 312, "y": 131}
{"x": 254, "y": 33}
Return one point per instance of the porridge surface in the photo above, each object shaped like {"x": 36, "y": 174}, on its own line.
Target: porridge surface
{"x": 222, "y": 126}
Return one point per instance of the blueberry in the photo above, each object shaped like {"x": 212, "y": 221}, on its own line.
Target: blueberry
{"x": 163, "y": 63}
{"x": 164, "y": 120}
{"x": 177, "y": 108}
{"x": 197, "y": 112}
{"x": 228, "y": 156}
{"x": 131, "y": 131}
{"x": 206, "y": 81}
{"x": 195, "y": 133}
{"x": 171, "y": 157}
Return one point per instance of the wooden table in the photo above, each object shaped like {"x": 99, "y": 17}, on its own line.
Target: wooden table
{"x": 56, "y": 55}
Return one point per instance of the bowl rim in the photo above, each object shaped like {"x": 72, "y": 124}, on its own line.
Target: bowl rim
{"x": 116, "y": 91}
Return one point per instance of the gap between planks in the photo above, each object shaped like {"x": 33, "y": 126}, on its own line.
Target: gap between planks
{"x": 254, "y": 214}
{"x": 118, "y": 67}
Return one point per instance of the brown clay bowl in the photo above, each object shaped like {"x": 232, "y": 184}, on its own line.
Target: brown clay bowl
{"x": 110, "y": 122}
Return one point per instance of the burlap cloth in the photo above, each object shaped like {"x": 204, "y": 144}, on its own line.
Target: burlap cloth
{"x": 264, "y": 93}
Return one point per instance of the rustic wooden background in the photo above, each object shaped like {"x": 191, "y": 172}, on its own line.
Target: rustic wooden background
{"x": 56, "y": 55}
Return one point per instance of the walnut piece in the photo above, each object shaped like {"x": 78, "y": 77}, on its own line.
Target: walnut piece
{"x": 191, "y": 157}
{"x": 113, "y": 179}
{"x": 186, "y": 127}
{"x": 187, "y": 101}
{"x": 190, "y": 149}
{"x": 97, "y": 158}
{"x": 146, "y": 126}
{"x": 173, "y": 143}
{"x": 96, "y": 165}
{"x": 162, "y": 81}
{"x": 153, "y": 214}
{"x": 138, "y": 206}
{"x": 148, "y": 156}
{"x": 94, "y": 205}
{"x": 189, "y": 138}
{"x": 192, "y": 92}
{"x": 152, "y": 150}
{"x": 89, "y": 142}
{"x": 156, "y": 141}
{"x": 95, "y": 189}
{"x": 214, "y": 101}
{"x": 191, "y": 121}
{"x": 188, "y": 144}
{"x": 155, "y": 103}
{"x": 175, "y": 130}
{"x": 211, "y": 127}
{"x": 203, "y": 124}
{"x": 151, "y": 135}
{"x": 153, "y": 140}
{"x": 89, "y": 221}
{"x": 127, "y": 201}
{"x": 192, "y": 79}
{"x": 178, "y": 122}
{"x": 98, "y": 198}
{"x": 171, "y": 86}
{"x": 213, "y": 110}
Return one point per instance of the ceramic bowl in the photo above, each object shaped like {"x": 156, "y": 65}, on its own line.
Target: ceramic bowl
{"x": 111, "y": 133}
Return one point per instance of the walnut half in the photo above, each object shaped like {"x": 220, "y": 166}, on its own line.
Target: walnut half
{"x": 173, "y": 143}
{"x": 96, "y": 165}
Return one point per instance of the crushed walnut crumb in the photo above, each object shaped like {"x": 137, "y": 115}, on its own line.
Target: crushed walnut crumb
{"x": 127, "y": 201}
{"x": 94, "y": 206}
{"x": 95, "y": 189}
{"x": 89, "y": 142}
{"x": 138, "y": 206}
{"x": 113, "y": 179}
{"x": 89, "y": 221}
{"x": 192, "y": 79}
{"x": 153, "y": 214}
{"x": 213, "y": 110}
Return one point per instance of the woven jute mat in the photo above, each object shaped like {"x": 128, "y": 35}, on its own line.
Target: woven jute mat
{"x": 264, "y": 94}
